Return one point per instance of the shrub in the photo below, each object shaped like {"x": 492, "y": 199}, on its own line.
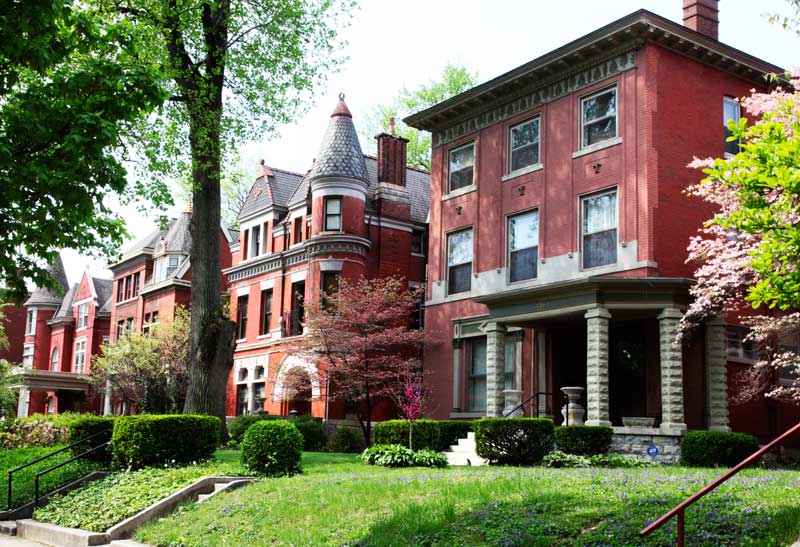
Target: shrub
{"x": 429, "y": 458}
{"x": 716, "y": 448}
{"x": 389, "y": 455}
{"x": 344, "y": 439}
{"x": 272, "y": 448}
{"x": 618, "y": 460}
{"x": 513, "y": 441}
{"x": 583, "y": 440}
{"x": 239, "y": 425}
{"x": 436, "y": 435}
{"x": 31, "y": 433}
{"x": 563, "y": 459}
{"x": 312, "y": 431}
{"x": 144, "y": 440}
{"x": 86, "y": 426}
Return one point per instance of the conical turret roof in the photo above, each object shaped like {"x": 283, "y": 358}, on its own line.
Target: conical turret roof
{"x": 340, "y": 152}
{"x": 46, "y": 297}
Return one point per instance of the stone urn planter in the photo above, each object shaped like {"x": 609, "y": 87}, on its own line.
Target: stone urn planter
{"x": 573, "y": 412}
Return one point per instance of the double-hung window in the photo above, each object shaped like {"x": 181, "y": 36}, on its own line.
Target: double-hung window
{"x": 599, "y": 117}
{"x": 241, "y": 318}
{"x": 266, "y": 311}
{"x": 54, "y": 360}
{"x": 476, "y": 375}
{"x": 418, "y": 242}
{"x": 523, "y": 145}
{"x": 738, "y": 346}
{"x": 333, "y": 214}
{"x": 523, "y": 245}
{"x": 27, "y": 355}
{"x": 731, "y": 111}
{"x": 30, "y": 322}
{"x": 461, "y": 167}
{"x": 459, "y": 261}
{"x": 83, "y": 315}
{"x": 599, "y": 229}
{"x": 79, "y": 362}
{"x": 255, "y": 240}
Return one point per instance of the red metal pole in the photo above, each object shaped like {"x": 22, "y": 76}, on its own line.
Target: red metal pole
{"x": 681, "y": 528}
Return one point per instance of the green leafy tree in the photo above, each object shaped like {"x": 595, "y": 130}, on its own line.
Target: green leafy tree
{"x": 149, "y": 370}
{"x": 235, "y": 69}
{"x": 455, "y": 79}
{"x": 71, "y": 85}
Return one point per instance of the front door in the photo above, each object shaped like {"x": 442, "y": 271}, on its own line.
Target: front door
{"x": 627, "y": 363}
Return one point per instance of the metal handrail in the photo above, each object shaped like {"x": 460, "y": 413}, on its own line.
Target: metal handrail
{"x": 37, "y": 460}
{"x": 54, "y": 467}
{"x": 525, "y": 402}
{"x": 680, "y": 509}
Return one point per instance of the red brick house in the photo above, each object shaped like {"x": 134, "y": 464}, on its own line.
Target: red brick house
{"x": 558, "y": 233}
{"x": 61, "y": 335}
{"x": 154, "y": 275}
{"x": 350, "y": 215}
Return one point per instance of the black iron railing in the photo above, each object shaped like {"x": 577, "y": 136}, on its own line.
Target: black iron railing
{"x": 58, "y": 465}
{"x": 50, "y": 455}
{"x": 535, "y": 398}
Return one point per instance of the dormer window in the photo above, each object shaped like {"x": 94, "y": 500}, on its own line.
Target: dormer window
{"x": 83, "y": 316}
{"x": 165, "y": 267}
{"x": 255, "y": 241}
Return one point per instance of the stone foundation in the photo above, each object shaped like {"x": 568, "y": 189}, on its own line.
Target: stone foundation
{"x": 630, "y": 441}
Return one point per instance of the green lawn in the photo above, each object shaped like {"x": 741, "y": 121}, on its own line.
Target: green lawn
{"x": 339, "y": 502}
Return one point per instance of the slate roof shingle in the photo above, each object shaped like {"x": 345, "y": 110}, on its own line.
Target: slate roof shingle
{"x": 46, "y": 297}
{"x": 340, "y": 152}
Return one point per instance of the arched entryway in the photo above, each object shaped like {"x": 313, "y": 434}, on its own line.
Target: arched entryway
{"x": 296, "y": 385}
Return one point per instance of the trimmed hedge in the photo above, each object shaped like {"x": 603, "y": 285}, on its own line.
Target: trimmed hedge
{"x": 716, "y": 448}
{"x": 312, "y": 431}
{"x": 239, "y": 425}
{"x": 272, "y": 448}
{"x": 435, "y": 435}
{"x": 513, "y": 441}
{"x": 583, "y": 440}
{"x": 149, "y": 439}
{"x": 86, "y": 426}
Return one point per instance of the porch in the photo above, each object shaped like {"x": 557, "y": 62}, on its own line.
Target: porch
{"x": 49, "y": 392}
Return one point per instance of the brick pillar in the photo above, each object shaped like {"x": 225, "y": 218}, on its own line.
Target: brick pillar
{"x": 456, "y": 374}
{"x": 671, "y": 372}
{"x": 597, "y": 366}
{"x": 495, "y": 368}
{"x": 716, "y": 376}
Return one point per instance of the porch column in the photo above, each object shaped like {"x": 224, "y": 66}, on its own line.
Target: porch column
{"x": 456, "y": 374}
{"x": 597, "y": 367}
{"x": 495, "y": 368}
{"x": 24, "y": 402}
{"x": 716, "y": 376}
{"x": 107, "y": 402}
{"x": 671, "y": 371}
{"x": 251, "y": 398}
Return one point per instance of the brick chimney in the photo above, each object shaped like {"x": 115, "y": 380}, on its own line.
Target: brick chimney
{"x": 391, "y": 157}
{"x": 702, "y": 16}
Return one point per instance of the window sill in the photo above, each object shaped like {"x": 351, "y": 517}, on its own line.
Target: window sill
{"x": 422, "y": 255}
{"x": 524, "y": 171}
{"x": 460, "y": 192}
{"x": 241, "y": 340}
{"x": 263, "y": 336}
{"x": 740, "y": 360}
{"x": 598, "y": 146}
{"x": 128, "y": 301}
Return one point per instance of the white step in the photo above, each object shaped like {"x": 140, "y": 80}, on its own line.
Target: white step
{"x": 463, "y": 452}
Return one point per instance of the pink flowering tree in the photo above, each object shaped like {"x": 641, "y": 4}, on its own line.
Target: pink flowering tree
{"x": 361, "y": 340}
{"x": 749, "y": 252}
{"x": 409, "y": 395}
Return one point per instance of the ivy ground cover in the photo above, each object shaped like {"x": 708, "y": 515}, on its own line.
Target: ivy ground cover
{"x": 104, "y": 503}
{"x": 339, "y": 502}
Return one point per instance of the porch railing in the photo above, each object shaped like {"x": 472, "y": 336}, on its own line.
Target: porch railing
{"x": 534, "y": 397}
{"x": 680, "y": 509}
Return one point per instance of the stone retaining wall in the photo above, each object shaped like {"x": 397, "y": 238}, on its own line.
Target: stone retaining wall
{"x": 635, "y": 441}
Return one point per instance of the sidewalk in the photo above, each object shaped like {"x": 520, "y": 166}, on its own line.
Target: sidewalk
{"x": 10, "y": 541}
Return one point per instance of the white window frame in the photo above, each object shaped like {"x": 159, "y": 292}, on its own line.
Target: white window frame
{"x": 255, "y": 241}
{"x": 447, "y": 264}
{"x": 727, "y": 99}
{"x": 509, "y": 217}
{"x": 55, "y": 360}
{"x": 537, "y": 118}
{"x": 79, "y": 366}
{"x": 738, "y": 353}
{"x": 30, "y": 322}
{"x": 616, "y": 116}
{"x": 450, "y": 152}
{"x": 28, "y": 350}
{"x": 581, "y": 235}
{"x": 83, "y": 315}
{"x": 325, "y": 202}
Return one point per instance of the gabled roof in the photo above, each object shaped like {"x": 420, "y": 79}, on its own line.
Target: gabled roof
{"x": 340, "y": 152}
{"x": 272, "y": 187}
{"x": 103, "y": 288}
{"x": 631, "y": 31}
{"x": 65, "y": 308}
{"x": 178, "y": 237}
{"x": 46, "y": 297}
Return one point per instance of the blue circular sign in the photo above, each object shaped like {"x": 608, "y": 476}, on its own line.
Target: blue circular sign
{"x": 652, "y": 451}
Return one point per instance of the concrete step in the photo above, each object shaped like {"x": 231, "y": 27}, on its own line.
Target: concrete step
{"x": 463, "y": 452}
{"x": 8, "y": 527}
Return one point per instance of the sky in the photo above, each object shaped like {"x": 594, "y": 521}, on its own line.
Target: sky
{"x": 392, "y": 45}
